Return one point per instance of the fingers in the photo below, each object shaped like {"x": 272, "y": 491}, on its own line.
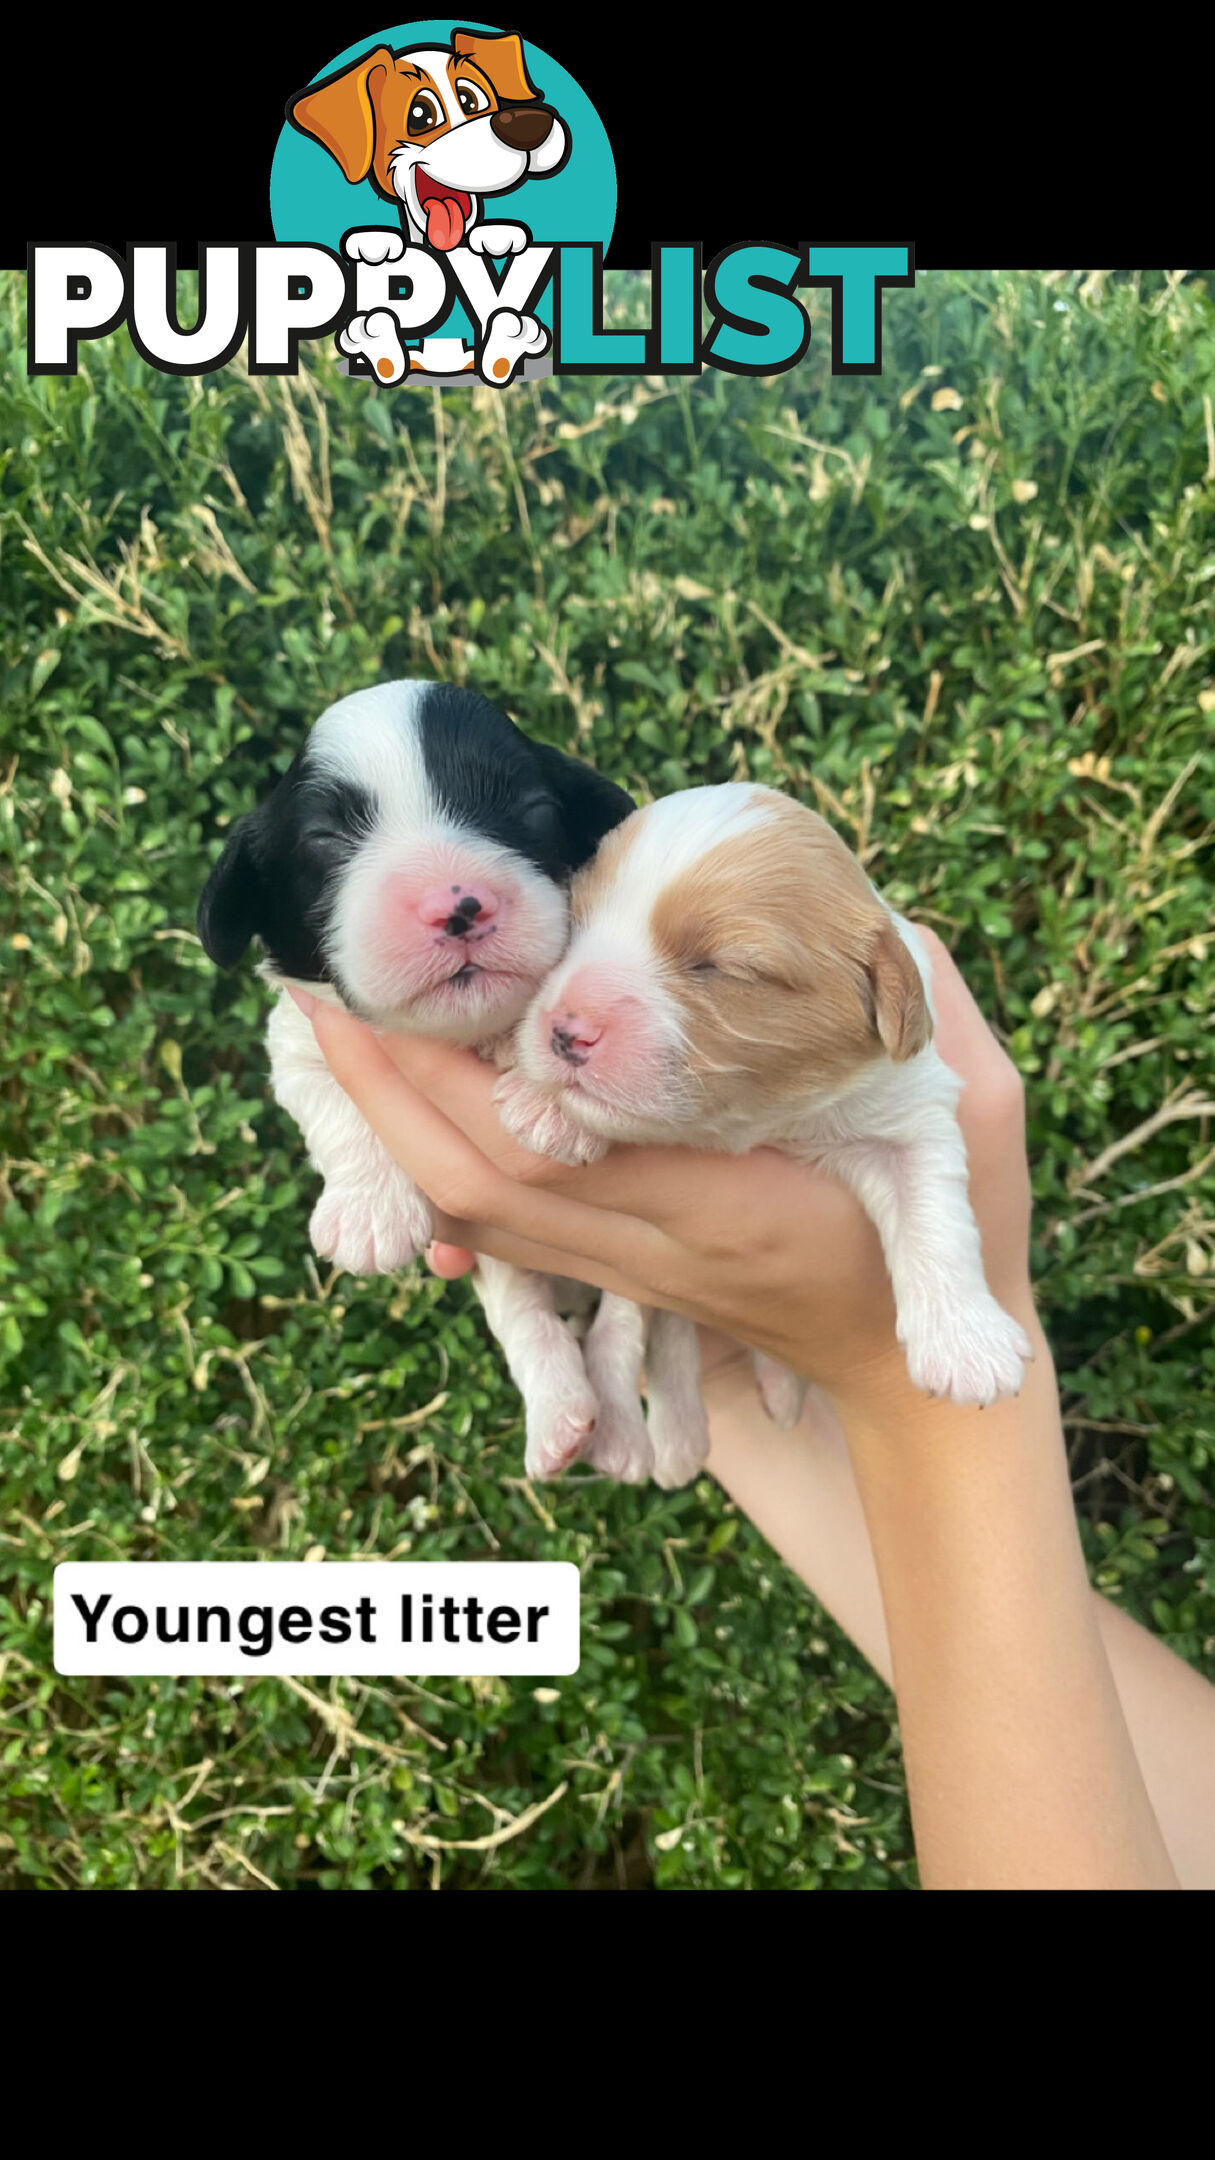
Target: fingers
{"x": 463, "y": 1085}
{"x": 538, "y": 1259}
{"x": 991, "y": 1110}
{"x": 449, "y": 1261}
{"x": 429, "y": 1148}
{"x": 452, "y": 1171}
{"x": 964, "y": 1035}
{"x": 652, "y": 1183}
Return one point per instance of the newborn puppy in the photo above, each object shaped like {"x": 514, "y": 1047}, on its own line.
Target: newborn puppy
{"x": 733, "y": 980}
{"x": 412, "y": 866}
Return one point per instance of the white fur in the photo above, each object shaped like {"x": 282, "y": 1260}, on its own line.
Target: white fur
{"x": 362, "y": 739}
{"x": 368, "y": 737}
{"x": 376, "y": 338}
{"x": 510, "y": 339}
{"x": 621, "y": 1445}
{"x": 560, "y": 1403}
{"x": 678, "y": 1426}
{"x": 370, "y": 1218}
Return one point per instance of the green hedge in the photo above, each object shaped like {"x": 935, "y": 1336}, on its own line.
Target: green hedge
{"x": 966, "y": 610}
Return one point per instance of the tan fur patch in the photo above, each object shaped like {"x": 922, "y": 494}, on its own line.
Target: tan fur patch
{"x": 500, "y": 61}
{"x": 343, "y": 113}
{"x": 788, "y": 970}
{"x": 362, "y": 115}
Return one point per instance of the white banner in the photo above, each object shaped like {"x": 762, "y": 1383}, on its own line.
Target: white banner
{"x": 167, "y": 1618}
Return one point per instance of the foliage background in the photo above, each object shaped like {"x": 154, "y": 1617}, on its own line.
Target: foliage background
{"x": 966, "y": 610}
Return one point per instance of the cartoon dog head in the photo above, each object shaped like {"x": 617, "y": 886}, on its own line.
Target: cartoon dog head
{"x": 436, "y": 128}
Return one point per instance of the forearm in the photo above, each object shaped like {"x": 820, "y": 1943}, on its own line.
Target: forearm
{"x": 799, "y": 1490}
{"x": 948, "y": 1549}
{"x": 1020, "y": 1765}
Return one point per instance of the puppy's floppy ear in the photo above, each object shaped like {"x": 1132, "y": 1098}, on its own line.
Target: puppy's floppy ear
{"x": 341, "y": 112}
{"x": 232, "y": 908}
{"x": 590, "y": 804}
{"x": 900, "y": 1008}
{"x": 501, "y": 59}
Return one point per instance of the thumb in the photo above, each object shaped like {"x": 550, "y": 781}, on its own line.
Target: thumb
{"x": 449, "y": 1261}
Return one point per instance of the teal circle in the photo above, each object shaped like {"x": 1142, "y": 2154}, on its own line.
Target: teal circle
{"x": 310, "y": 200}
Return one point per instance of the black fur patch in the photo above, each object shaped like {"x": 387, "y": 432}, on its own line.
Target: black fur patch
{"x": 522, "y": 795}
{"x": 273, "y": 878}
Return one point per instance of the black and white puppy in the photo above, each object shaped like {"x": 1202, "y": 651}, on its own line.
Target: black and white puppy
{"x": 412, "y": 866}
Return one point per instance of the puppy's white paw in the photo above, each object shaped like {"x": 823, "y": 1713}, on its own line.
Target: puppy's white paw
{"x": 620, "y": 1446}
{"x": 376, "y": 338}
{"x": 371, "y": 1229}
{"x": 496, "y": 239}
{"x": 781, "y": 1392}
{"x": 973, "y": 1352}
{"x": 376, "y": 244}
{"x": 680, "y": 1440}
{"x": 538, "y": 1122}
{"x": 509, "y": 340}
{"x": 559, "y": 1428}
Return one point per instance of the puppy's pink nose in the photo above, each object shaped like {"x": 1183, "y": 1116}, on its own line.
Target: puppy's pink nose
{"x": 573, "y": 1039}
{"x": 456, "y": 909}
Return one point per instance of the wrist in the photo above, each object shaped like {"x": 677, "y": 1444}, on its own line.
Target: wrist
{"x": 882, "y": 1410}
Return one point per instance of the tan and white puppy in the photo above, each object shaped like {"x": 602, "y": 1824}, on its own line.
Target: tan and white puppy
{"x": 734, "y": 980}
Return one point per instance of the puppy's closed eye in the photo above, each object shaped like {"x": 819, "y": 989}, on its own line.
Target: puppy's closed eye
{"x": 738, "y": 967}
{"x": 327, "y": 839}
{"x": 538, "y": 827}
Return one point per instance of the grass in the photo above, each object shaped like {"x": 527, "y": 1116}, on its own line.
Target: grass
{"x": 965, "y": 609}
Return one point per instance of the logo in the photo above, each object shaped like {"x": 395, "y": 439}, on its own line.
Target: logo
{"x": 455, "y": 134}
{"x": 442, "y": 196}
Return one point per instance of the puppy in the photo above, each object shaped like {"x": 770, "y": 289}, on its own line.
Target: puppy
{"x": 733, "y": 980}
{"x": 412, "y": 866}
{"x": 437, "y": 129}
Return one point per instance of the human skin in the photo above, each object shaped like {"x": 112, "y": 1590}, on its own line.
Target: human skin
{"x": 1021, "y": 1769}
{"x": 799, "y": 1489}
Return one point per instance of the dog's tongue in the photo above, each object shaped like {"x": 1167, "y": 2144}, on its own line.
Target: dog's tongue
{"x": 444, "y": 223}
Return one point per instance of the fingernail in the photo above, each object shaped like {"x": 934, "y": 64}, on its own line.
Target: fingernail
{"x": 306, "y": 1003}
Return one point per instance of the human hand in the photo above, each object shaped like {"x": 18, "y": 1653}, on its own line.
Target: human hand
{"x": 766, "y": 1250}
{"x": 1007, "y": 1706}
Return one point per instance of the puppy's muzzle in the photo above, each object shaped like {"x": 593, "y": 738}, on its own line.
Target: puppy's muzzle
{"x": 522, "y": 127}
